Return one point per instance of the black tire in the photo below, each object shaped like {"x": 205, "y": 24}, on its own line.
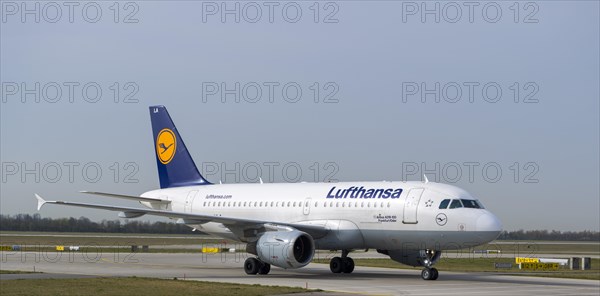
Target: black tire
{"x": 336, "y": 265}
{"x": 348, "y": 265}
{"x": 426, "y": 274}
{"x": 436, "y": 274}
{"x": 264, "y": 269}
{"x": 251, "y": 266}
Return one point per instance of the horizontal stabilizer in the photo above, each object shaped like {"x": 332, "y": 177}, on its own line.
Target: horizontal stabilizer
{"x": 40, "y": 201}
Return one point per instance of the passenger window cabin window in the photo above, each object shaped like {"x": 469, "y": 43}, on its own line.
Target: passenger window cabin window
{"x": 444, "y": 204}
{"x": 455, "y": 204}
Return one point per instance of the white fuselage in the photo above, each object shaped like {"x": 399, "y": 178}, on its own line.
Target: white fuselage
{"x": 357, "y": 219}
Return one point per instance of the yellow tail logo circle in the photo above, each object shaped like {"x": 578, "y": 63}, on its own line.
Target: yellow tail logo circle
{"x": 166, "y": 144}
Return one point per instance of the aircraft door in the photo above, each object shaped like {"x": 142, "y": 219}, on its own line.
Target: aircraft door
{"x": 306, "y": 207}
{"x": 189, "y": 200}
{"x": 411, "y": 205}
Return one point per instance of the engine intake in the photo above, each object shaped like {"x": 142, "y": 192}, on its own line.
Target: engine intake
{"x": 285, "y": 249}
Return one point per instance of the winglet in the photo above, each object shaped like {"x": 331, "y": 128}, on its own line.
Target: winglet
{"x": 40, "y": 201}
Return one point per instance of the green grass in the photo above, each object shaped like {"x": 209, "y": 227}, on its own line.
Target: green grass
{"x": 77, "y": 239}
{"x": 483, "y": 265}
{"x": 8, "y": 238}
{"x": 533, "y": 248}
{"x": 2, "y": 271}
{"x": 111, "y": 250}
{"x": 136, "y": 286}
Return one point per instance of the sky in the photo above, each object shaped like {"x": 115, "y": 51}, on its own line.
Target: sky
{"x": 500, "y": 99}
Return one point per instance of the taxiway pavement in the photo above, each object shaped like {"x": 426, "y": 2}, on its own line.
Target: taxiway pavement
{"x": 227, "y": 267}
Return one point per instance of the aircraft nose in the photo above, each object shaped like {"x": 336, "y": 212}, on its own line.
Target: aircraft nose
{"x": 489, "y": 224}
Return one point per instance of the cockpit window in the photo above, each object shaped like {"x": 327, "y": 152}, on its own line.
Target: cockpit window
{"x": 471, "y": 203}
{"x": 444, "y": 203}
{"x": 456, "y": 204}
{"x": 480, "y": 204}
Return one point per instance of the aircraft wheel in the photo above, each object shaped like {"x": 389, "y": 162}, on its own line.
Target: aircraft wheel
{"x": 348, "y": 265}
{"x": 435, "y": 274}
{"x": 264, "y": 269}
{"x": 336, "y": 265}
{"x": 252, "y": 266}
{"x": 427, "y": 274}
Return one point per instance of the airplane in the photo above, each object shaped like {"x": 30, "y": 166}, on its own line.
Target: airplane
{"x": 283, "y": 224}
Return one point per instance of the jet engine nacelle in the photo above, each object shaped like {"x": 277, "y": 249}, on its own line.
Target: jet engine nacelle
{"x": 285, "y": 249}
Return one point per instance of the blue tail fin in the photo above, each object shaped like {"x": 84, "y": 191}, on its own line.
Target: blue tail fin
{"x": 175, "y": 165}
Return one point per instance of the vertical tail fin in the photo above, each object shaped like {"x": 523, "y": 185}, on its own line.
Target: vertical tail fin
{"x": 175, "y": 165}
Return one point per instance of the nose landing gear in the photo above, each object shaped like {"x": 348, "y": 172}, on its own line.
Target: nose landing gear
{"x": 430, "y": 273}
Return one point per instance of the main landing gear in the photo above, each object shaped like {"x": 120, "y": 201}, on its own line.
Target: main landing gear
{"x": 255, "y": 266}
{"x": 344, "y": 264}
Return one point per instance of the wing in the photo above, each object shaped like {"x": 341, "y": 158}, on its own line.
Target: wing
{"x": 129, "y": 197}
{"x": 241, "y": 227}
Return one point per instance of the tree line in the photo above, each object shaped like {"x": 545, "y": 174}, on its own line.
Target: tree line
{"x": 552, "y": 235}
{"x": 26, "y": 222}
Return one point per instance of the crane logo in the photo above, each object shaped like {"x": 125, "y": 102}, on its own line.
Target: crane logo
{"x": 441, "y": 219}
{"x": 166, "y": 145}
